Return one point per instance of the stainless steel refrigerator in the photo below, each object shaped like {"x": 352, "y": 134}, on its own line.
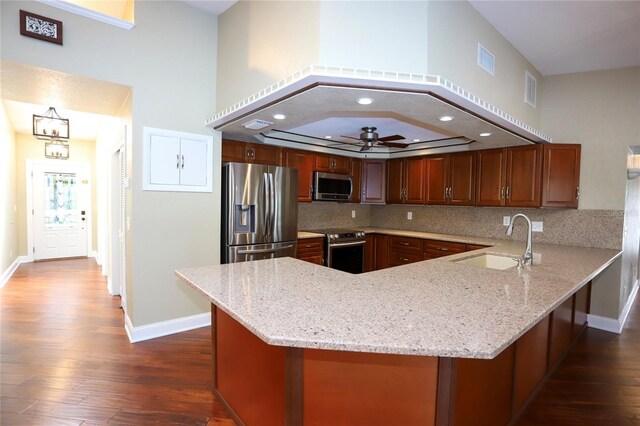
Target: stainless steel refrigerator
{"x": 259, "y": 212}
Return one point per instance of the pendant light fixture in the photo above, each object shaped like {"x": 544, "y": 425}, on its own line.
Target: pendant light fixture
{"x": 50, "y": 126}
{"x": 54, "y": 130}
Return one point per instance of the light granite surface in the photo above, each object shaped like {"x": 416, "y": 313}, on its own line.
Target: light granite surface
{"x": 303, "y": 235}
{"x": 436, "y": 307}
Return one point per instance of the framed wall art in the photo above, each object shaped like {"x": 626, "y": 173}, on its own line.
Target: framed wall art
{"x": 40, "y": 27}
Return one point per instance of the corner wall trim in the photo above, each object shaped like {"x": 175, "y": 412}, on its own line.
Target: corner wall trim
{"x": 610, "y": 324}
{"x": 6, "y": 275}
{"x": 164, "y": 328}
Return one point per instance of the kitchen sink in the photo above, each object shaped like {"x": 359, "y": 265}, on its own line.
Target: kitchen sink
{"x": 492, "y": 261}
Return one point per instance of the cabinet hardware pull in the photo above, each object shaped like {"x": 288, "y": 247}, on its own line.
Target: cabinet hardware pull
{"x": 508, "y": 193}
{"x": 402, "y": 243}
{"x": 404, "y": 259}
{"x": 177, "y": 161}
{"x": 502, "y": 193}
{"x": 577, "y": 192}
{"x": 443, "y": 249}
{"x": 183, "y": 161}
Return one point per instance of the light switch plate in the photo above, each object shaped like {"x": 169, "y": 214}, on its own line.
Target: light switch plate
{"x": 506, "y": 220}
{"x": 353, "y": 214}
{"x": 409, "y": 215}
{"x": 537, "y": 226}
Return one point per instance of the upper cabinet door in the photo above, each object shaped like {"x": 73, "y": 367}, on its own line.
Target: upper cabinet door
{"x": 437, "y": 166}
{"x": 193, "y": 169}
{"x": 561, "y": 175}
{"x": 305, "y": 163}
{"x": 332, "y": 163}
{"x": 254, "y": 153}
{"x": 395, "y": 181}
{"x": 462, "y": 178}
{"x": 265, "y": 154}
{"x": 491, "y": 177}
{"x": 373, "y": 181}
{"x": 233, "y": 151}
{"x": 524, "y": 170}
{"x": 414, "y": 173}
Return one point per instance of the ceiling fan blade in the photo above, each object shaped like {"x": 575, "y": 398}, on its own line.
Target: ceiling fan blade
{"x": 391, "y": 138}
{"x": 394, "y": 144}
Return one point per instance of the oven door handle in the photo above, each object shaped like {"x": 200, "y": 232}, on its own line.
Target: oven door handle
{"x": 349, "y": 244}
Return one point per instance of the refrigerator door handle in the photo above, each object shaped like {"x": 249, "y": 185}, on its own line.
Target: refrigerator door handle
{"x": 267, "y": 206}
{"x": 272, "y": 206}
{"x": 269, "y": 250}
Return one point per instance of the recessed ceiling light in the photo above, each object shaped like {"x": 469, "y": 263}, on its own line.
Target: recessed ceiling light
{"x": 365, "y": 101}
{"x": 416, "y": 140}
{"x": 446, "y": 118}
{"x": 328, "y": 137}
{"x": 483, "y": 134}
{"x": 279, "y": 116}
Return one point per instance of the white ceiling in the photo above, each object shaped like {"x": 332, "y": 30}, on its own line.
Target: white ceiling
{"x": 560, "y": 37}
{"x": 214, "y": 7}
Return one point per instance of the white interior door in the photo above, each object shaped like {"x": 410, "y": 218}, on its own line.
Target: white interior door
{"x": 60, "y": 199}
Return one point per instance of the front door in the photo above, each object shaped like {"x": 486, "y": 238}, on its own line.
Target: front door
{"x": 60, "y": 217}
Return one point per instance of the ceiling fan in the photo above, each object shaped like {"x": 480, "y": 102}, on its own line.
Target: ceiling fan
{"x": 369, "y": 139}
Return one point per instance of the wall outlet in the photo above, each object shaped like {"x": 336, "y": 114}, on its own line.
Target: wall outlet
{"x": 353, "y": 214}
{"x": 537, "y": 227}
{"x": 506, "y": 220}
{"x": 409, "y": 215}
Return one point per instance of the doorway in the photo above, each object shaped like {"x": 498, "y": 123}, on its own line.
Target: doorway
{"x": 58, "y": 209}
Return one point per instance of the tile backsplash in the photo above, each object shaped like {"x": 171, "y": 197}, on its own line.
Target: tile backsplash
{"x": 587, "y": 228}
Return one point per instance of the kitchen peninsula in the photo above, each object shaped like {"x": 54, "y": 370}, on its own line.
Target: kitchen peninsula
{"x": 433, "y": 342}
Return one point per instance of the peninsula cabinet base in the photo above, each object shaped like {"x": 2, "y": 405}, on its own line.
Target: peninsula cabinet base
{"x": 265, "y": 385}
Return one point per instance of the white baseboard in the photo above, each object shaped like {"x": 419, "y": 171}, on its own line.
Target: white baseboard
{"x": 610, "y": 324}
{"x": 164, "y": 328}
{"x": 94, "y": 254}
{"x": 4, "y": 278}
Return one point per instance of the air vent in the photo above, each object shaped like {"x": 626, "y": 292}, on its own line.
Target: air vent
{"x": 529, "y": 89}
{"x": 256, "y": 124}
{"x": 486, "y": 60}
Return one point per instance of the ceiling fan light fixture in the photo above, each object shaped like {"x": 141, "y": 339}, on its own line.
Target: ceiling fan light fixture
{"x": 445, "y": 118}
{"x": 365, "y": 101}
{"x": 485, "y": 134}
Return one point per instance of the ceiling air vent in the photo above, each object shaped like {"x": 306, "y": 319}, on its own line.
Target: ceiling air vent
{"x": 486, "y": 60}
{"x": 256, "y": 124}
{"x": 529, "y": 89}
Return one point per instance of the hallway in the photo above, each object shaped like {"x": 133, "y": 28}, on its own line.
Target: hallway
{"x": 66, "y": 360}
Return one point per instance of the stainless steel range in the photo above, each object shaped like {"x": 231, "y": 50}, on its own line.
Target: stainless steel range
{"x": 344, "y": 249}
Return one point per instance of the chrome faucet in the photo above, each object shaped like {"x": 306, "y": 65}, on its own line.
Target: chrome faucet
{"x": 528, "y": 256}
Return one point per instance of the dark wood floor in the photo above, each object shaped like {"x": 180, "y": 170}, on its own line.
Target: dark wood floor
{"x": 66, "y": 360}
{"x": 598, "y": 383}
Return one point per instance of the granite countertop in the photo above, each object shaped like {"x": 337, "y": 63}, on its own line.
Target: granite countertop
{"x": 436, "y": 307}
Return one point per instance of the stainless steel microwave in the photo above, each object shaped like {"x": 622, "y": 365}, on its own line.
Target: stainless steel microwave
{"x": 331, "y": 187}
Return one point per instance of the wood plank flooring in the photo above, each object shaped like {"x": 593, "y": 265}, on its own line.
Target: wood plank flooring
{"x": 65, "y": 358}
{"x": 598, "y": 383}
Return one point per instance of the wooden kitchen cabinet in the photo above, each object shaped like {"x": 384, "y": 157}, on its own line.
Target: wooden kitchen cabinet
{"x": 404, "y": 250}
{"x": 373, "y": 181}
{"x": 471, "y": 247}
{"x": 369, "y": 252}
{"x": 355, "y": 172}
{"x": 560, "y": 331}
{"x": 561, "y": 175}
{"x": 509, "y": 176}
{"x": 332, "y": 163}
{"x": 305, "y": 162}
{"x": 382, "y": 252}
{"x": 450, "y": 179}
{"x": 254, "y": 153}
{"x": 311, "y": 250}
{"x": 406, "y": 181}
{"x": 438, "y": 248}
{"x": 581, "y": 309}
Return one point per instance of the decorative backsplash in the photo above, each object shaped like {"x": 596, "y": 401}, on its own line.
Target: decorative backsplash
{"x": 586, "y": 228}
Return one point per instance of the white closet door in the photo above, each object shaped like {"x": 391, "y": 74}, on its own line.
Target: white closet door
{"x": 164, "y": 157}
{"x": 193, "y": 169}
